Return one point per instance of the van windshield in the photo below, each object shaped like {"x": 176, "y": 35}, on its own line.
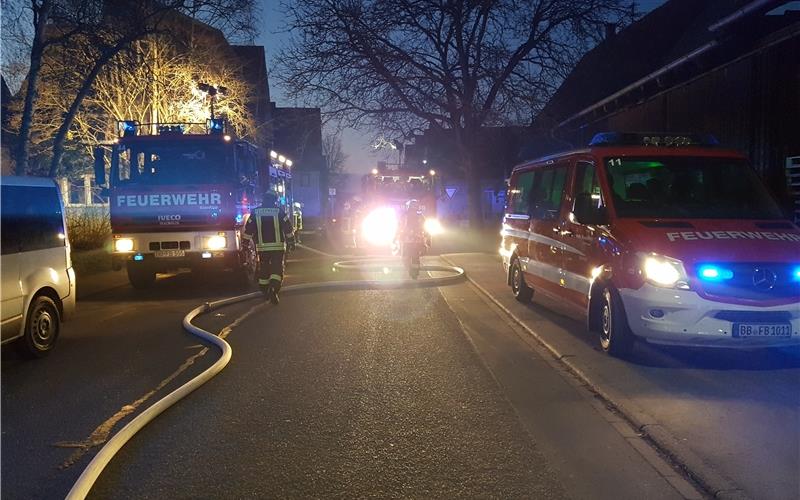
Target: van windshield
{"x": 688, "y": 187}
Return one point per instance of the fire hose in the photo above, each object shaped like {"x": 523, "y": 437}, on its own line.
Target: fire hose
{"x": 103, "y": 457}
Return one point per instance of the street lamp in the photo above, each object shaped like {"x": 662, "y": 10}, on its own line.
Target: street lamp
{"x": 281, "y": 158}
{"x": 273, "y": 155}
{"x": 374, "y": 171}
{"x": 432, "y": 172}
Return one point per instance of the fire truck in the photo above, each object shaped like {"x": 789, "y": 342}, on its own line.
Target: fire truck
{"x": 179, "y": 197}
{"x": 384, "y": 193}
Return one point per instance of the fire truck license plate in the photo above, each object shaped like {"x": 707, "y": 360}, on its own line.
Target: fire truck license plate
{"x": 170, "y": 253}
{"x": 762, "y": 330}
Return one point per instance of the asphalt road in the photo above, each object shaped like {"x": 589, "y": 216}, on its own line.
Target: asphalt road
{"x": 737, "y": 413}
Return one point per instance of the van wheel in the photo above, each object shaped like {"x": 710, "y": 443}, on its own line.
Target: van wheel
{"x": 522, "y": 292}
{"x": 141, "y": 276}
{"x": 41, "y": 327}
{"x": 616, "y": 337}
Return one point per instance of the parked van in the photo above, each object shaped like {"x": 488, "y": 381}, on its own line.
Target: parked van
{"x": 38, "y": 289}
{"x": 669, "y": 239}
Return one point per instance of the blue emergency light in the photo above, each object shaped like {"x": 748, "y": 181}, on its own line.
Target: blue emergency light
{"x": 126, "y": 128}
{"x": 796, "y": 274}
{"x": 215, "y": 125}
{"x": 714, "y": 273}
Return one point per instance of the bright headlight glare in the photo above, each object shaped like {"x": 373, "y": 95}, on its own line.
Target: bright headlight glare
{"x": 379, "y": 226}
{"x": 663, "y": 271}
{"x": 123, "y": 245}
{"x": 433, "y": 227}
{"x": 216, "y": 242}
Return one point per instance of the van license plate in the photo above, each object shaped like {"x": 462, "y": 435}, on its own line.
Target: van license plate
{"x": 762, "y": 330}
{"x": 170, "y": 253}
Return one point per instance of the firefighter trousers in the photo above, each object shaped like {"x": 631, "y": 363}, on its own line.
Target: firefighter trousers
{"x": 270, "y": 269}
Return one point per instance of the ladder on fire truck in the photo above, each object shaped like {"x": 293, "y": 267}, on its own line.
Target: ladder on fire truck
{"x": 793, "y": 179}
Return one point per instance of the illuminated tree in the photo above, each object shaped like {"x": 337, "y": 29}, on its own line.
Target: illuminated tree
{"x": 156, "y": 82}
{"x": 102, "y": 30}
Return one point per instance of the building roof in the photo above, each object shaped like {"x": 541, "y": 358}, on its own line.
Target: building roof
{"x": 664, "y": 36}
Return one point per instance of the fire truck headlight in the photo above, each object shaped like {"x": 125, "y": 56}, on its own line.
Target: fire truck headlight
{"x": 433, "y": 227}
{"x": 216, "y": 242}
{"x": 663, "y": 271}
{"x": 380, "y": 226}
{"x": 123, "y": 245}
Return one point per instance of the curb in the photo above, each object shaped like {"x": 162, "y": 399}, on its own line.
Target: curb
{"x": 707, "y": 478}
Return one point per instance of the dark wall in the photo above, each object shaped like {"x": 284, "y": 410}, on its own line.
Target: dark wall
{"x": 752, "y": 104}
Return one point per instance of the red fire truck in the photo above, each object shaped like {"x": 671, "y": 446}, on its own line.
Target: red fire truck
{"x": 384, "y": 194}
{"x": 180, "y": 199}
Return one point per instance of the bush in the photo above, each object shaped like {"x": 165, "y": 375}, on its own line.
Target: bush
{"x": 88, "y": 228}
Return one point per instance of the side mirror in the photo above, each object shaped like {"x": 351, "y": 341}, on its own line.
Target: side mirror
{"x": 99, "y": 166}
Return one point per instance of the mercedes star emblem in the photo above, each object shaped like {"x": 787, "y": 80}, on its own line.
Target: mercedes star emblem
{"x": 764, "y": 279}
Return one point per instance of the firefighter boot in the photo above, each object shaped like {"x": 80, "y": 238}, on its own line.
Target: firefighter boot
{"x": 274, "y": 286}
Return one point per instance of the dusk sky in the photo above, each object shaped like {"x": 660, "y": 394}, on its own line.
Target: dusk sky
{"x": 356, "y": 145}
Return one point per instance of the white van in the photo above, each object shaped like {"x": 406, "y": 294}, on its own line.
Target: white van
{"x": 38, "y": 290}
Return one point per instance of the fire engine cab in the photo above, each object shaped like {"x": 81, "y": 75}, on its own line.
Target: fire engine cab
{"x": 666, "y": 238}
{"x": 179, "y": 196}
{"x": 384, "y": 195}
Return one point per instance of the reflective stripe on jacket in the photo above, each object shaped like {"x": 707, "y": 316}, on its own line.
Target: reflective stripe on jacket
{"x": 270, "y": 228}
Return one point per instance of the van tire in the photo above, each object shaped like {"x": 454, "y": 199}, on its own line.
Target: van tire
{"x": 141, "y": 277}
{"x": 42, "y": 327}
{"x": 522, "y": 292}
{"x": 616, "y": 337}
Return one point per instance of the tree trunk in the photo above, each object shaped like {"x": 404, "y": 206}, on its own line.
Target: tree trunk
{"x": 31, "y": 93}
{"x": 474, "y": 191}
{"x": 69, "y": 117}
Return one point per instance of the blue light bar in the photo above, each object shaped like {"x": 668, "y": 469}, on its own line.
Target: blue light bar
{"x": 654, "y": 139}
{"x": 796, "y": 274}
{"x": 714, "y": 273}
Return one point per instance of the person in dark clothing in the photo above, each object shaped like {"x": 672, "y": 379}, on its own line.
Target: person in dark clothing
{"x": 271, "y": 230}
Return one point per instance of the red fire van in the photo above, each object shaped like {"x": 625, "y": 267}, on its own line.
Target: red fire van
{"x": 666, "y": 238}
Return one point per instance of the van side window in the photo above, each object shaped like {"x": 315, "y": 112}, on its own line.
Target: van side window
{"x": 31, "y": 219}
{"x": 547, "y": 192}
{"x": 519, "y": 193}
{"x": 588, "y": 206}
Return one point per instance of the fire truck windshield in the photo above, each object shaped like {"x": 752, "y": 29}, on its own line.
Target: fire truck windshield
{"x": 165, "y": 164}
{"x": 402, "y": 186}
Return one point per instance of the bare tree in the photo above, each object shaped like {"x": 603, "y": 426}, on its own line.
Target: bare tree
{"x": 335, "y": 157}
{"x": 102, "y": 29}
{"x": 399, "y": 65}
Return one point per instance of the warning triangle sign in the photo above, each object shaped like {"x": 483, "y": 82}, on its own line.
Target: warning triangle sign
{"x": 450, "y": 191}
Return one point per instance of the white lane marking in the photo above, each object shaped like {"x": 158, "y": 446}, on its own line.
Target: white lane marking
{"x": 101, "y": 434}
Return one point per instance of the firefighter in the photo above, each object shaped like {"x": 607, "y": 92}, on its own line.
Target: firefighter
{"x": 298, "y": 220}
{"x": 271, "y": 230}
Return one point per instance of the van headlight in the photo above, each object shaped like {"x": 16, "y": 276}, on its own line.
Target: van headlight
{"x": 433, "y": 227}
{"x": 217, "y": 242}
{"x": 123, "y": 245}
{"x": 664, "y": 271}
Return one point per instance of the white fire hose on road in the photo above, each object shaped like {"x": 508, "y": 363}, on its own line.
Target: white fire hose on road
{"x": 87, "y": 479}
